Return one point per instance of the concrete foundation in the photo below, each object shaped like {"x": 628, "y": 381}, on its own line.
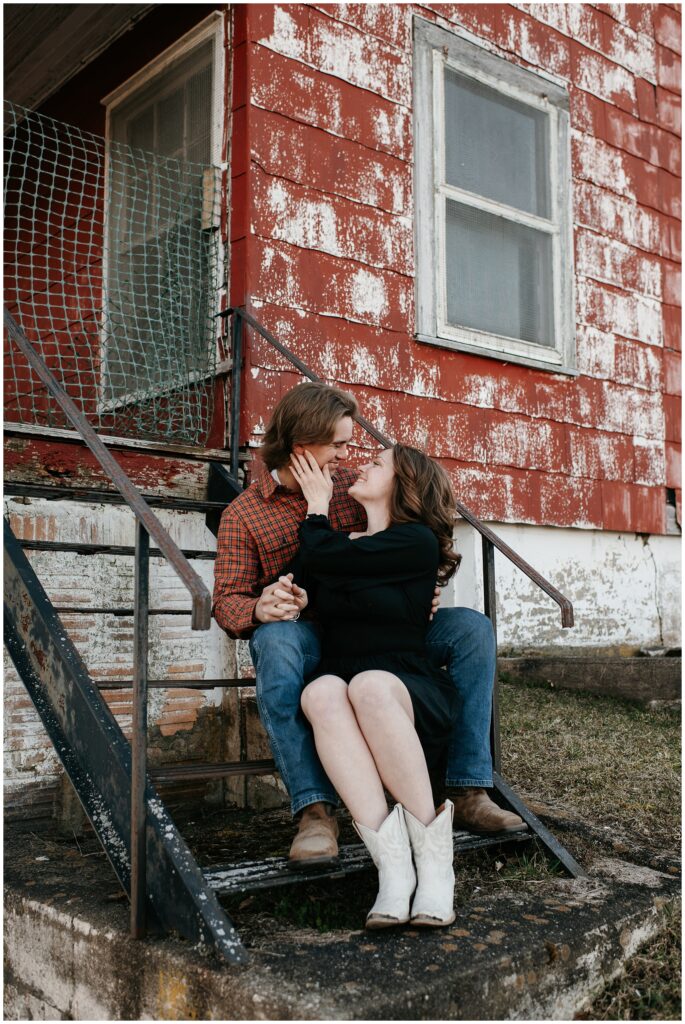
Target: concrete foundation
{"x": 538, "y": 950}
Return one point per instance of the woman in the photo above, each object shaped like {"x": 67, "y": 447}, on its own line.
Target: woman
{"x": 381, "y": 715}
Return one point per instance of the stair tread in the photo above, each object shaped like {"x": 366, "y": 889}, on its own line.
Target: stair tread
{"x": 272, "y": 871}
{"x": 112, "y": 549}
{"x": 207, "y": 769}
{"x": 161, "y": 684}
{"x": 83, "y": 609}
{"x": 80, "y": 494}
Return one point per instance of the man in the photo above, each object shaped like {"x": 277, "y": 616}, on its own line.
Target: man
{"x": 255, "y": 598}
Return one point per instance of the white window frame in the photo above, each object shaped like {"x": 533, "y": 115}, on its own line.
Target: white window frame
{"x": 435, "y": 49}
{"x": 212, "y": 27}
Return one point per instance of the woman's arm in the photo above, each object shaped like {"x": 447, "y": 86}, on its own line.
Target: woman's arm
{"x": 405, "y": 550}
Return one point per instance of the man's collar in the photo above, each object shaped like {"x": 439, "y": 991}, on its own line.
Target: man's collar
{"x": 267, "y": 485}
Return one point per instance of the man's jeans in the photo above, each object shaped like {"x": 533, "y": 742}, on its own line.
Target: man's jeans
{"x": 285, "y": 653}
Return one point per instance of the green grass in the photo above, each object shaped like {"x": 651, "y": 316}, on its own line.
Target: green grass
{"x": 614, "y": 764}
{"x": 611, "y": 761}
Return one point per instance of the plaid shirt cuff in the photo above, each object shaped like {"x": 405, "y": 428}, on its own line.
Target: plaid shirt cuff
{"x": 235, "y": 615}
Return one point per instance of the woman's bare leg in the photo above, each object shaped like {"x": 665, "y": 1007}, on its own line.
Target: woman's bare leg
{"x": 343, "y": 751}
{"x": 383, "y": 709}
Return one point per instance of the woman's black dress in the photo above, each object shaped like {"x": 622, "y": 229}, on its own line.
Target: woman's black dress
{"x": 372, "y": 597}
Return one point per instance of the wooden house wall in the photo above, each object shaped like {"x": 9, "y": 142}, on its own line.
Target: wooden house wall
{"x": 323, "y": 252}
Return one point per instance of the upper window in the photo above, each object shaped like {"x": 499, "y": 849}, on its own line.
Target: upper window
{"x": 162, "y": 254}
{"x": 494, "y": 234}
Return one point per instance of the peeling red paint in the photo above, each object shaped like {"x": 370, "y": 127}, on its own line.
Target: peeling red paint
{"x": 321, "y": 241}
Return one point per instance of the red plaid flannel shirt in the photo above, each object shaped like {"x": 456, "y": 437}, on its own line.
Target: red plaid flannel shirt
{"x": 258, "y": 537}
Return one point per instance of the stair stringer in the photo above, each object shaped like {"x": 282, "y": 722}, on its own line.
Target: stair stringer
{"x": 97, "y": 757}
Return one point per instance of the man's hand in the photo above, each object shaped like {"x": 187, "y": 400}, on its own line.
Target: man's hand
{"x": 281, "y": 601}
{"x": 435, "y": 603}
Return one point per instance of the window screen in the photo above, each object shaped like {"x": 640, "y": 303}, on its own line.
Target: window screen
{"x": 498, "y": 271}
{"x": 493, "y": 206}
{"x": 495, "y": 146}
{"x": 498, "y": 275}
{"x": 158, "y": 269}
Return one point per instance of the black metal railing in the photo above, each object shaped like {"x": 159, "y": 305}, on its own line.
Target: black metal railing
{"x": 490, "y": 540}
{"x": 147, "y": 526}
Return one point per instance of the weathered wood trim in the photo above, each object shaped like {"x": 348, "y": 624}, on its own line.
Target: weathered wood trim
{"x": 154, "y": 447}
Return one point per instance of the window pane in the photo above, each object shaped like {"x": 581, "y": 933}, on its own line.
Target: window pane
{"x": 141, "y": 130}
{"x": 495, "y": 146}
{"x": 499, "y": 275}
{"x": 199, "y": 105}
{"x": 160, "y": 287}
{"x": 170, "y": 131}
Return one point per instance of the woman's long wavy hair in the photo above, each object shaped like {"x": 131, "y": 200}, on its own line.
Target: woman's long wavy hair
{"x": 422, "y": 493}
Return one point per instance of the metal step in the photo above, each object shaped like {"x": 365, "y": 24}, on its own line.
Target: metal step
{"x": 205, "y": 770}
{"x": 170, "y": 684}
{"x": 252, "y": 875}
{"x": 121, "y": 612}
{"x": 106, "y": 549}
{"x": 80, "y": 494}
{"x": 97, "y": 759}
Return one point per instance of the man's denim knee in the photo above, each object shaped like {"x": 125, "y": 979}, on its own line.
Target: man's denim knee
{"x": 461, "y": 628}
{"x": 463, "y": 640}
{"x": 477, "y": 629}
{"x": 283, "y": 653}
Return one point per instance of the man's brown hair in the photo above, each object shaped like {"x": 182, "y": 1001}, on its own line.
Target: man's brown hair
{"x": 306, "y": 415}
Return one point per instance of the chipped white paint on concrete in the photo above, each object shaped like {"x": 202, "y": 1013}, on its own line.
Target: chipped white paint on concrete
{"x": 625, "y": 590}
{"x": 104, "y": 641}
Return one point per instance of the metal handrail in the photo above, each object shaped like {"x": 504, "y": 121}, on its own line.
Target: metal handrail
{"x": 147, "y": 525}
{"x": 485, "y": 531}
{"x": 201, "y": 598}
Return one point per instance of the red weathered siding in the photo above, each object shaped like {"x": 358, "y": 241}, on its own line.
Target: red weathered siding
{"x": 322, "y": 249}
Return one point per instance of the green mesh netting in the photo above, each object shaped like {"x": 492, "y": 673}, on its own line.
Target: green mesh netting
{"x": 112, "y": 269}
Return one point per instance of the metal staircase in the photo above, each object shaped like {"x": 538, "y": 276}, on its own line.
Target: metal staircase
{"x": 166, "y": 887}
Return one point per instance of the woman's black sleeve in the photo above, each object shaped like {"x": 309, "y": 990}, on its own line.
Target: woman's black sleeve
{"x": 404, "y": 550}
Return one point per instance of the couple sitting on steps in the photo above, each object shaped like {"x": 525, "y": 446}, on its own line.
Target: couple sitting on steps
{"x": 363, "y": 684}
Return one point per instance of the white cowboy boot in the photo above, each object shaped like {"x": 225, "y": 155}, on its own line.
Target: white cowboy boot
{"x": 433, "y": 850}
{"x": 391, "y": 853}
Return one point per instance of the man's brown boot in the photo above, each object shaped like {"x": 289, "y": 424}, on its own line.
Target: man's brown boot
{"x": 476, "y": 812}
{"x": 316, "y": 842}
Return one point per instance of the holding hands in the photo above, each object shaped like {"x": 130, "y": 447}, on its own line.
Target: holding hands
{"x": 316, "y": 484}
{"x": 281, "y": 601}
